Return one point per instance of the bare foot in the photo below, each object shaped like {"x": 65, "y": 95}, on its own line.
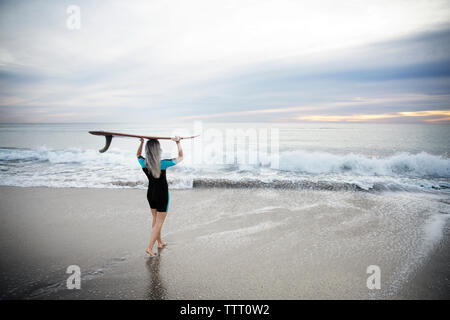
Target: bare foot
{"x": 161, "y": 244}
{"x": 149, "y": 252}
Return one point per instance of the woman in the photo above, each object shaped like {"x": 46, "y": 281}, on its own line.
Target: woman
{"x": 158, "y": 190}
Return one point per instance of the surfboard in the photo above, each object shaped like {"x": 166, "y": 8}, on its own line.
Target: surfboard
{"x": 110, "y": 135}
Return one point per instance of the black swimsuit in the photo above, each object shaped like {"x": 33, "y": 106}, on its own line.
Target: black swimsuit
{"x": 158, "y": 189}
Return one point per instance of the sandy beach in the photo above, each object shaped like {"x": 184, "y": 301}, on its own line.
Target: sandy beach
{"x": 224, "y": 244}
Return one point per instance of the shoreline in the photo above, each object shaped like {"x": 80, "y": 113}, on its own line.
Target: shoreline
{"x": 221, "y": 244}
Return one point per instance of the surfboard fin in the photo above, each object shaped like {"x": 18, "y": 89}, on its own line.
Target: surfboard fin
{"x": 107, "y": 144}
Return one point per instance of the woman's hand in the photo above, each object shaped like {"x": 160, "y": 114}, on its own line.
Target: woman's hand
{"x": 176, "y": 139}
{"x": 141, "y": 140}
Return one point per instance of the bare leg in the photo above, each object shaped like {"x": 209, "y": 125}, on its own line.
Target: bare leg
{"x": 154, "y": 217}
{"x": 156, "y": 230}
{"x": 153, "y": 236}
{"x": 160, "y": 242}
{"x": 162, "y": 216}
{"x": 149, "y": 250}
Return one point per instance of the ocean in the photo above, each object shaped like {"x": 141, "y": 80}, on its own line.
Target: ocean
{"x": 330, "y": 156}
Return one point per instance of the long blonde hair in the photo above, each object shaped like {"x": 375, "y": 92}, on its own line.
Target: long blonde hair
{"x": 153, "y": 157}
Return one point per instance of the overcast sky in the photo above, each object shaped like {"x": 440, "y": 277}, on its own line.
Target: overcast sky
{"x": 225, "y": 61}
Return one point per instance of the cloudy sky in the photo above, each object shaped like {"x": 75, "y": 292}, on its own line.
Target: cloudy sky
{"x": 246, "y": 60}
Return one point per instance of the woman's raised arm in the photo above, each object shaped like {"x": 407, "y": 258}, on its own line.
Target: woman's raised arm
{"x": 139, "y": 151}
{"x": 180, "y": 150}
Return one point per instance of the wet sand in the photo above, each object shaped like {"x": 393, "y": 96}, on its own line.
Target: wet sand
{"x": 223, "y": 244}
{"x": 432, "y": 279}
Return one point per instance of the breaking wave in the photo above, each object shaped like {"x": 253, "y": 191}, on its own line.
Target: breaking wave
{"x": 297, "y": 169}
{"x": 403, "y": 164}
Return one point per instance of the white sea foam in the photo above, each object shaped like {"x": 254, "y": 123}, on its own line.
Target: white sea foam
{"x": 403, "y": 164}
{"x": 119, "y": 169}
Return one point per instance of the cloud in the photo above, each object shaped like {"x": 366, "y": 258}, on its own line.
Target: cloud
{"x": 233, "y": 60}
{"x": 355, "y": 103}
{"x": 381, "y": 116}
{"x": 438, "y": 120}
